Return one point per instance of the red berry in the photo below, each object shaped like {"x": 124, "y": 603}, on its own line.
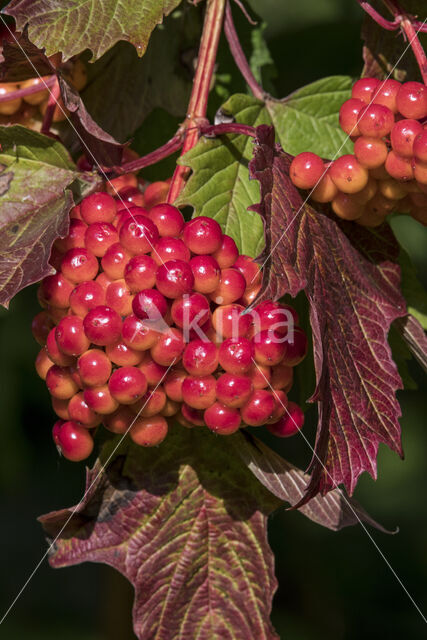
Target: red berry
{"x": 306, "y": 170}
{"x": 60, "y": 383}
{"x": 154, "y": 372}
{"x": 260, "y": 376}
{"x": 398, "y": 167}
{"x": 200, "y": 358}
{"x": 296, "y": 347}
{"x": 103, "y": 281}
{"x": 43, "y": 363}
{"x": 79, "y": 265}
{"x": 170, "y": 249}
{"x": 206, "y": 273}
{"x": 138, "y": 235}
{"x": 74, "y": 441}
{"x": 138, "y": 335}
{"x": 119, "y": 421}
{"x": 190, "y": 313}
{"x": 282, "y": 377}
{"x": 149, "y": 303}
{"x": 229, "y": 321}
{"x": 348, "y": 174}
{"x": 168, "y": 219}
{"x": 100, "y": 400}
{"x": 79, "y": 411}
{"x": 60, "y": 407}
{"x": 98, "y": 207}
{"x": 199, "y": 391}
{"x": 173, "y": 384}
{"x": 149, "y": 432}
{"x": 281, "y": 405}
{"x": 127, "y": 384}
{"x": 102, "y": 325}
{"x": 269, "y": 347}
{"x": 94, "y": 367}
{"x": 221, "y": 419}
{"x": 174, "y": 278}
{"x": 171, "y": 408}
{"x": 129, "y": 213}
{"x": 75, "y": 237}
{"x": 130, "y": 196}
{"x": 386, "y": 94}
{"x": 86, "y": 296}
{"x": 115, "y": 260}
{"x": 119, "y": 298}
{"x": 75, "y": 212}
{"x": 56, "y": 290}
{"x": 349, "y": 116}
{"x": 71, "y": 337}
{"x": 41, "y": 326}
{"x": 155, "y": 193}
{"x": 364, "y": 89}
{"x": 140, "y": 273}
{"x": 232, "y": 390}
{"x": 231, "y": 287}
{"x": 122, "y": 355}
{"x": 411, "y": 100}
{"x": 152, "y": 403}
{"x": 403, "y": 135}
{"x": 259, "y": 408}
{"x": 420, "y": 171}
{"x": 325, "y": 190}
{"x": 56, "y": 258}
{"x": 55, "y": 353}
{"x": 168, "y": 348}
{"x": 375, "y": 121}
{"x": 250, "y": 270}
{"x": 420, "y": 146}
{"x": 100, "y": 236}
{"x": 370, "y": 152}
{"x": 346, "y": 206}
{"x": 290, "y": 423}
{"x": 227, "y": 254}
{"x": 202, "y": 235}
{"x": 273, "y": 316}
{"x": 236, "y": 355}
{"x": 192, "y": 416}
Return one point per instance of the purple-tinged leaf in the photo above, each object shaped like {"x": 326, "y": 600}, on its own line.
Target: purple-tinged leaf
{"x": 351, "y": 278}
{"x": 414, "y": 335}
{"x": 35, "y": 172}
{"x": 20, "y": 59}
{"x": 186, "y": 524}
{"x": 98, "y": 145}
{"x": 334, "y": 511}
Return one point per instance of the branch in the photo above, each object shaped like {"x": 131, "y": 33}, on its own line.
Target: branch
{"x": 383, "y": 22}
{"x": 417, "y": 48}
{"x": 212, "y": 130}
{"x": 51, "y": 106}
{"x": 196, "y": 113}
{"x": 239, "y": 56}
{"x": 153, "y": 157}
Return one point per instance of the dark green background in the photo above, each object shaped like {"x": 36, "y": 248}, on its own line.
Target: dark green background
{"x": 332, "y": 585}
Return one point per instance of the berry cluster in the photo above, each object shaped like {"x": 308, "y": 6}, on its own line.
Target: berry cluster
{"x": 145, "y": 319}
{"x": 388, "y": 170}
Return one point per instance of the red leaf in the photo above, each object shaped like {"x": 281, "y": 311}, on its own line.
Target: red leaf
{"x": 351, "y": 278}
{"x": 20, "y": 59}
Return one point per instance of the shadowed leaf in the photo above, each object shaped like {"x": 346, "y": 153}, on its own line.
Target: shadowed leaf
{"x": 21, "y": 59}
{"x": 186, "y": 524}
{"x": 351, "y": 278}
{"x": 76, "y": 25}
{"x": 414, "y": 336}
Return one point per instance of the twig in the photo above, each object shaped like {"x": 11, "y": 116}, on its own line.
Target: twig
{"x": 212, "y": 130}
{"x": 50, "y": 109}
{"x": 153, "y": 157}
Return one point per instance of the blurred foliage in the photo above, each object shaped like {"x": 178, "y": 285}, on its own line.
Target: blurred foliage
{"x": 332, "y": 585}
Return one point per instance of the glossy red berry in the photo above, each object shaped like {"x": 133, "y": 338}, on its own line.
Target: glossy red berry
{"x": 60, "y": 383}
{"x": 75, "y": 238}
{"x": 403, "y": 135}
{"x": 119, "y": 298}
{"x": 138, "y": 335}
{"x": 200, "y": 358}
{"x": 420, "y": 146}
{"x": 199, "y": 392}
{"x": 54, "y": 352}
{"x": 306, "y": 170}
{"x": 192, "y": 416}
{"x": 100, "y": 400}
{"x": 150, "y": 304}
{"x": 127, "y": 384}
{"x": 370, "y": 152}
{"x": 349, "y": 116}
{"x": 281, "y": 405}
{"x": 269, "y": 347}
{"x": 70, "y": 336}
{"x": 168, "y": 348}
{"x": 99, "y": 237}
{"x": 122, "y": 355}
{"x": 140, "y": 273}
{"x": 206, "y": 272}
{"x": 98, "y": 207}
{"x": 94, "y": 367}
{"x": 249, "y": 269}
{"x": 86, "y": 296}
{"x": 202, "y": 235}
{"x": 60, "y": 407}
{"x": 260, "y": 375}
{"x": 233, "y": 390}
{"x": 127, "y": 213}
{"x": 375, "y": 121}
{"x": 398, "y": 167}
{"x": 230, "y": 321}
{"x": 152, "y": 403}
{"x": 348, "y": 174}
{"x": 346, "y": 206}
{"x": 115, "y": 260}
{"x": 231, "y": 287}
{"x": 43, "y": 363}
{"x": 149, "y": 432}
{"x": 79, "y": 265}
{"x": 130, "y": 196}
{"x": 170, "y": 249}
{"x": 190, "y": 312}
{"x": 119, "y": 421}
{"x": 386, "y": 94}
{"x": 420, "y": 171}
{"x": 102, "y": 325}
{"x": 138, "y": 235}
{"x": 411, "y": 100}
{"x": 173, "y": 384}
{"x": 273, "y": 316}
{"x": 364, "y": 89}
{"x": 282, "y": 377}
{"x": 79, "y": 411}
{"x": 174, "y": 278}
{"x": 56, "y": 290}
{"x": 73, "y": 441}
{"x": 296, "y": 347}
{"x": 227, "y": 254}
{"x": 154, "y": 372}
{"x": 168, "y": 219}
{"x": 291, "y": 422}
{"x": 259, "y": 408}
{"x": 155, "y": 193}
{"x": 236, "y": 355}
{"x": 325, "y": 191}
{"x": 221, "y": 419}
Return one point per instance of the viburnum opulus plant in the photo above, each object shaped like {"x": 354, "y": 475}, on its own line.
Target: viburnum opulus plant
{"x": 168, "y": 336}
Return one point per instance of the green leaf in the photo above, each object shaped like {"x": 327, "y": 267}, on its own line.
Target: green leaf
{"x": 219, "y": 186}
{"x": 261, "y": 62}
{"x": 34, "y": 173}
{"x": 76, "y": 25}
{"x": 186, "y": 524}
{"x": 413, "y": 291}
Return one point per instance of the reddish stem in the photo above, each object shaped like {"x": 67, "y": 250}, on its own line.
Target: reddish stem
{"x": 417, "y": 48}
{"x": 27, "y": 91}
{"x": 383, "y": 22}
{"x": 153, "y": 157}
{"x": 197, "y": 106}
{"x": 50, "y": 109}
{"x": 212, "y": 130}
{"x": 239, "y": 56}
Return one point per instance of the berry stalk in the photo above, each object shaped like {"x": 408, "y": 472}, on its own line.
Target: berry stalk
{"x": 51, "y": 106}
{"x": 153, "y": 157}
{"x": 416, "y": 46}
{"x": 27, "y": 91}
{"x": 202, "y": 81}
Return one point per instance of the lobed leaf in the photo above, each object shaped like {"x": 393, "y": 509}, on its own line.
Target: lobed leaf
{"x": 35, "y": 172}
{"x": 76, "y": 25}
{"x": 20, "y": 60}
{"x": 186, "y": 524}
{"x": 352, "y": 281}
